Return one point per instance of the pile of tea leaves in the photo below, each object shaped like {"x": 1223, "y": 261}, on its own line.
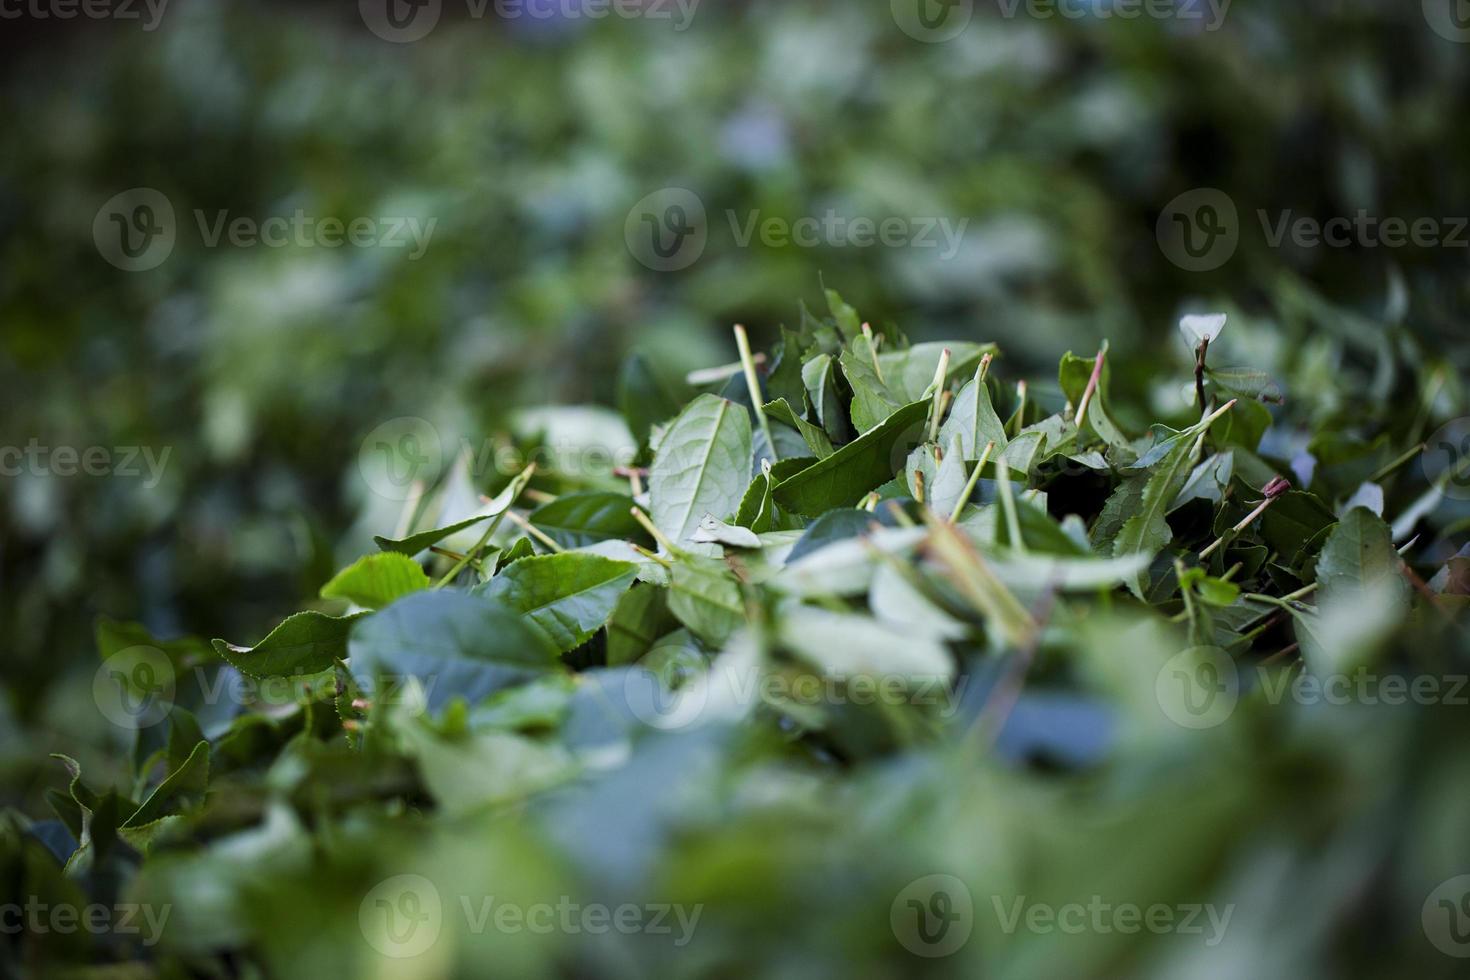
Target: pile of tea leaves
{"x": 854, "y": 612}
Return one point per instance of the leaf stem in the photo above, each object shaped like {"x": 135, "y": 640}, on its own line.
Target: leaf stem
{"x": 752, "y": 382}
{"x": 974, "y": 481}
{"x": 873, "y": 350}
{"x": 1199, "y": 372}
{"x": 1092, "y": 383}
{"x": 936, "y": 406}
{"x": 653, "y": 531}
{"x": 1397, "y": 463}
{"x": 1008, "y": 505}
{"x": 1019, "y": 419}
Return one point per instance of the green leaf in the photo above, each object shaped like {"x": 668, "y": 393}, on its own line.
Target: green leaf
{"x": 847, "y": 317}
{"x": 872, "y": 399}
{"x": 819, "y": 376}
{"x": 1074, "y": 374}
{"x": 580, "y": 519}
{"x": 702, "y": 466}
{"x": 644, "y": 399}
{"x": 1147, "y": 532}
{"x": 784, "y": 380}
{"x": 815, "y": 438}
{"x": 454, "y": 644}
{"x": 374, "y": 581}
{"x": 306, "y": 643}
{"x": 909, "y": 372}
{"x": 705, "y": 597}
{"x": 843, "y": 478}
{"x": 185, "y": 786}
{"x": 1364, "y": 596}
{"x": 973, "y": 421}
{"x": 415, "y": 543}
{"x": 640, "y": 617}
{"x": 569, "y": 596}
{"x": 1359, "y": 555}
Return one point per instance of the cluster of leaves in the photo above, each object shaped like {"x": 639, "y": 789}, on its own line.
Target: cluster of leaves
{"x": 862, "y": 611}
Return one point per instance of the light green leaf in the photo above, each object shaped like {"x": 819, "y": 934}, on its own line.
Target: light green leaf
{"x": 702, "y": 466}
{"x": 374, "y": 581}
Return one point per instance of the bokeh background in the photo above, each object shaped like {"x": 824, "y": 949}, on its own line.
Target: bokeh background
{"x": 529, "y": 140}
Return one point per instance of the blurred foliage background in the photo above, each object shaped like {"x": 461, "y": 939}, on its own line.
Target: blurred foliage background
{"x": 528, "y": 140}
